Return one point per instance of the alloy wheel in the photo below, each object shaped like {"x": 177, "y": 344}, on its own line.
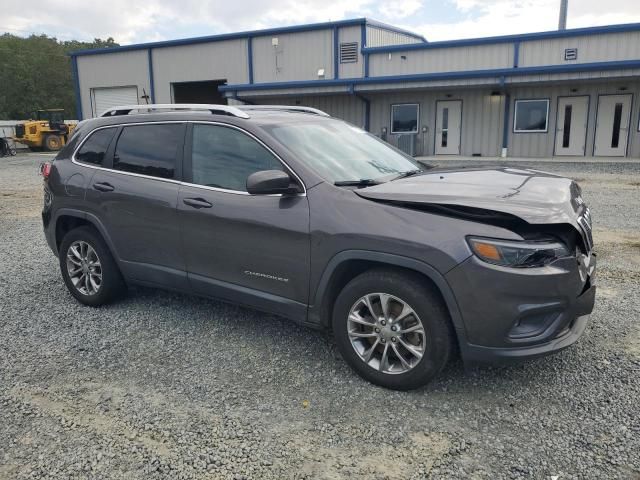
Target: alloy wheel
{"x": 386, "y": 333}
{"x": 84, "y": 268}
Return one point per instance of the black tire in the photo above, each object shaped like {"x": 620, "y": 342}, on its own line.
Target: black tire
{"x": 112, "y": 285}
{"x": 52, "y": 143}
{"x": 432, "y": 313}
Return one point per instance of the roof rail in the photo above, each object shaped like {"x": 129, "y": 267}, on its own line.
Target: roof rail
{"x": 214, "y": 109}
{"x": 285, "y": 108}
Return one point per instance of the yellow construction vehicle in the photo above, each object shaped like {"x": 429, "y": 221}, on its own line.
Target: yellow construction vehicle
{"x": 47, "y": 132}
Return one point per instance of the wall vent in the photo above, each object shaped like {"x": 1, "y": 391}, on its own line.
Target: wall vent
{"x": 571, "y": 54}
{"x": 349, "y": 52}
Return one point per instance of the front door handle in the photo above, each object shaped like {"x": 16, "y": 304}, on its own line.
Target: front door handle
{"x": 104, "y": 187}
{"x": 197, "y": 203}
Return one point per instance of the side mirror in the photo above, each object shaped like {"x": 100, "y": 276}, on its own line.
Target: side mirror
{"x": 269, "y": 182}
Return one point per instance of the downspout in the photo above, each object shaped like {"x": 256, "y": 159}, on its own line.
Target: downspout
{"x": 367, "y": 106}
{"x": 152, "y": 87}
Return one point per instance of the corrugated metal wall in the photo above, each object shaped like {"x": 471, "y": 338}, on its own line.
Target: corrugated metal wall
{"x": 541, "y": 144}
{"x": 346, "y": 107}
{"x": 112, "y": 70}
{"x": 206, "y": 61}
{"x": 442, "y": 60}
{"x": 591, "y": 48}
{"x": 298, "y": 56}
{"x": 351, "y": 70}
{"x": 379, "y": 37}
{"x": 481, "y": 118}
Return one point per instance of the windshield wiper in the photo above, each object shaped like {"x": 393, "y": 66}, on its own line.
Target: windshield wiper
{"x": 409, "y": 173}
{"x": 364, "y": 182}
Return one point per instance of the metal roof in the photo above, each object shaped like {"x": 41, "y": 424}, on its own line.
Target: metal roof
{"x": 247, "y": 34}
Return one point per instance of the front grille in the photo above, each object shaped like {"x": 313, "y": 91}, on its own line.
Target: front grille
{"x": 584, "y": 221}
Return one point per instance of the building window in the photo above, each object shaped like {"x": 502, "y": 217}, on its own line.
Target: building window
{"x": 404, "y": 118}
{"x": 531, "y": 116}
{"x": 349, "y": 52}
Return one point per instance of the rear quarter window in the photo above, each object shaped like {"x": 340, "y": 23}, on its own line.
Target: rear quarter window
{"x": 94, "y": 149}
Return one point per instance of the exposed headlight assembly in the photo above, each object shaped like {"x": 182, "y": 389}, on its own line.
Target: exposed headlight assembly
{"x": 517, "y": 254}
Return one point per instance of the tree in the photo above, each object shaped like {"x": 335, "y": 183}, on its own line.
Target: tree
{"x": 35, "y": 73}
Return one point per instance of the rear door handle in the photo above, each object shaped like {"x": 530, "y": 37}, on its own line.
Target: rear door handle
{"x": 197, "y": 203}
{"x": 104, "y": 187}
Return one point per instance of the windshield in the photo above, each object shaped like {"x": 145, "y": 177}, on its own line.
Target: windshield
{"x": 340, "y": 152}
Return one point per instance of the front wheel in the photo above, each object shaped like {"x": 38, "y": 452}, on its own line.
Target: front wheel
{"x": 392, "y": 329}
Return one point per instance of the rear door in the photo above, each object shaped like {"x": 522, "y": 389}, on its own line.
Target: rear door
{"x": 135, "y": 198}
{"x": 250, "y": 249}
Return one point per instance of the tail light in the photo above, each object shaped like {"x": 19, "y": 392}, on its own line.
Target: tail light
{"x": 45, "y": 169}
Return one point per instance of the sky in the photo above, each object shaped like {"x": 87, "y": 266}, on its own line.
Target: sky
{"x": 130, "y": 21}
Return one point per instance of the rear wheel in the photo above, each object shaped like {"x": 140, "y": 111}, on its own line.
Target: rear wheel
{"x": 88, "y": 268}
{"x": 52, "y": 143}
{"x": 392, "y": 329}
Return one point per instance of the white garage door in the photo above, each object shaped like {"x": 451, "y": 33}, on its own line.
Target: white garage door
{"x": 105, "y": 98}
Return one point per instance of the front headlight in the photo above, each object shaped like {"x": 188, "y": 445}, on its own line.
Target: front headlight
{"x": 517, "y": 254}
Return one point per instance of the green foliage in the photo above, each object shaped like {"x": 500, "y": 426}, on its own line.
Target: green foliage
{"x": 35, "y": 73}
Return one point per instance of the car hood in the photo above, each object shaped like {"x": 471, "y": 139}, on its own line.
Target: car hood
{"x": 533, "y": 196}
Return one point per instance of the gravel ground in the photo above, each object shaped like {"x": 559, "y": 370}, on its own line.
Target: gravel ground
{"x": 167, "y": 386}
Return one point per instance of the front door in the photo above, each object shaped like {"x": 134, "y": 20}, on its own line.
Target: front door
{"x": 612, "y": 125}
{"x": 571, "y": 125}
{"x": 249, "y": 249}
{"x": 448, "y": 124}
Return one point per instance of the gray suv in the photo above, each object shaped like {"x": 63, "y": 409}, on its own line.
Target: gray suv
{"x": 290, "y": 211}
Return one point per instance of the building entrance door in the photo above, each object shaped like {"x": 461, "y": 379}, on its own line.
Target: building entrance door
{"x": 612, "y": 125}
{"x": 571, "y": 125}
{"x": 448, "y": 125}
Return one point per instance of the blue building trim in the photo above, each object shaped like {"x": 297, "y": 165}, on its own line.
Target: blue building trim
{"x": 152, "y": 87}
{"x": 336, "y": 53}
{"x": 629, "y": 27}
{"x": 250, "y": 58}
{"x": 76, "y": 87}
{"x": 249, "y": 34}
{"x": 223, "y": 36}
{"x": 363, "y": 45}
{"x": 497, "y": 73}
{"x": 505, "y": 126}
{"x": 516, "y": 54}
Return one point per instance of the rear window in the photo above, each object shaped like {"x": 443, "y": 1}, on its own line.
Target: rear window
{"x": 149, "y": 149}
{"x": 95, "y": 147}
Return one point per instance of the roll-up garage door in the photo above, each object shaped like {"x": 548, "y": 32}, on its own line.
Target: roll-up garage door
{"x": 105, "y": 98}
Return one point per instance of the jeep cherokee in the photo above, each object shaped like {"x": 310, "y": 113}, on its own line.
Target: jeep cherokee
{"x": 290, "y": 211}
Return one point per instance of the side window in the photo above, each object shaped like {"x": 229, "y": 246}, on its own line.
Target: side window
{"x": 224, "y": 157}
{"x": 95, "y": 147}
{"x": 148, "y": 149}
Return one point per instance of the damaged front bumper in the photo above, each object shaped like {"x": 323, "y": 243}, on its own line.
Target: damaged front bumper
{"x": 512, "y": 314}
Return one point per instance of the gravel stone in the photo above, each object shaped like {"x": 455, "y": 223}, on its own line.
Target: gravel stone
{"x": 168, "y": 386}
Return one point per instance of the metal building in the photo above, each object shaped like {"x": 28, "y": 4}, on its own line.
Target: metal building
{"x": 566, "y": 92}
